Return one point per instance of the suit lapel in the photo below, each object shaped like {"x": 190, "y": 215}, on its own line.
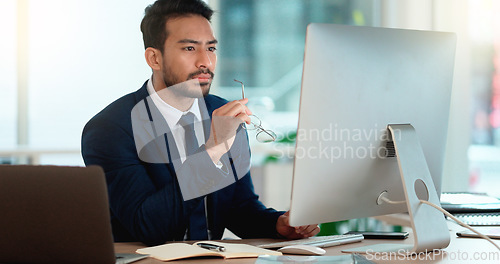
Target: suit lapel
{"x": 153, "y": 123}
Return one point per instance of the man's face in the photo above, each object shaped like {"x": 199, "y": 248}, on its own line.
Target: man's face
{"x": 189, "y": 54}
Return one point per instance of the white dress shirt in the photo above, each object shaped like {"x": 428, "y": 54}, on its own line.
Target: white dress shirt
{"x": 172, "y": 115}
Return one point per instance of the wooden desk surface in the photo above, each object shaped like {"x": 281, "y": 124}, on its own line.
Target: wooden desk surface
{"x": 460, "y": 250}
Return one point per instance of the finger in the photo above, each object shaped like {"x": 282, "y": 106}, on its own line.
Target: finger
{"x": 309, "y": 230}
{"x": 239, "y": 118}
{"x": 245, "y": 118}
{"x": 244, "y": 102}
{"x": 285, "y": 219}
{"x": 236, "y": 111}
{"x": 300, "y": 229}
{"x": 240, "y": 103}
{"x": 303, "y": 230}
{"x": 224, "y": 108}
{"x": 232, "y": 109}
{"x": 315, "y": 231}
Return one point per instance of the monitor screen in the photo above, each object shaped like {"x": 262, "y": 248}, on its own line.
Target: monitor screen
{"x": 356, "y": 81}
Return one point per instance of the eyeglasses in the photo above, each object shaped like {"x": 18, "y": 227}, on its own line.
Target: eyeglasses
{"x": 263, "y": 135}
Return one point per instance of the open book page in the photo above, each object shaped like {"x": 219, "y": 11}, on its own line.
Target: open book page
{"x": 173, "y": 251}
{"x": 235, "y": 250}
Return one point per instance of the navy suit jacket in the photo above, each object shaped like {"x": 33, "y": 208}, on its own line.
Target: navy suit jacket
{"x": 146, "y": 202}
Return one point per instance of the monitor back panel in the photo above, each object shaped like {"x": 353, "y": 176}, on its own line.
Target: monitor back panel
{"x": 53, "y": 214}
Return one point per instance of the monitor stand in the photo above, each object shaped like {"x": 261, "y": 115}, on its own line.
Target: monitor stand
{"x": 430, "y": 231}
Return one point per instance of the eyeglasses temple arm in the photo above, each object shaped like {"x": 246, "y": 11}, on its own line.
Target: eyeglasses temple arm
{"x": 242, "y": 88}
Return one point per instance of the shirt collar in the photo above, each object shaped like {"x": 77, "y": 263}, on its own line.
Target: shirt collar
{"x": 171, "y": 114}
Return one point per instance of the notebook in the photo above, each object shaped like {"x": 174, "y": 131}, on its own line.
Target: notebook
{"x": 174, "y": 251}
{"x": 468, "y": 202}
{"x": 53, "y": 214}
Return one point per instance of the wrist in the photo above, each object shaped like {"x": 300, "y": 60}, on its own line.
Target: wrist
{"x": 215, "y": 151}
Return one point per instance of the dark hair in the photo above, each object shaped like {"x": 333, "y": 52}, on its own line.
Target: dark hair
{"x": 153, "y": 28}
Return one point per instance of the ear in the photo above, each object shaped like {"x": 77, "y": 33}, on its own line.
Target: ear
{"x": 153, "y": 58}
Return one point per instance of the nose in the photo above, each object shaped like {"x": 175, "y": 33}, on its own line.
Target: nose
{"x": 204, "y": 59}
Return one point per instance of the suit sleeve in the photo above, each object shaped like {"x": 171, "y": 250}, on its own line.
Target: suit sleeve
{"x": 249, "y": 218}
{"x": 149, "y": 213}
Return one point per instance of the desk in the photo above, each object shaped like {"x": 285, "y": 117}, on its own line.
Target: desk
{"x": 460, "y": 250}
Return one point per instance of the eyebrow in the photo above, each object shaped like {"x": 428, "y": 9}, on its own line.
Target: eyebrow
{"x": 197, "y": 42}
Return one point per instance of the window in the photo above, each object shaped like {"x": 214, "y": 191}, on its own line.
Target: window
{"x": 8, "y": 73}
{"x": 78, "y": 61}
{"x": 262, "y": 44}
{"x": 484, "y": 152}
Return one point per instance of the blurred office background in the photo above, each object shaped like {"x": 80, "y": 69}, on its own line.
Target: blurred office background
{"x": 62, "y": 61}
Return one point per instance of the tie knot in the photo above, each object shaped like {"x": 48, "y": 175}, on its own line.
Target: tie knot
{"x": 187, "y": 119}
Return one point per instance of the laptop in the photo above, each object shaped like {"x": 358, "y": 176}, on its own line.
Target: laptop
{"x": 54, "y": 214}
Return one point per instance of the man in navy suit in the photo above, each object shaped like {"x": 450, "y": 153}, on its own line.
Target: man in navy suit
{"x": 160, "y": 187}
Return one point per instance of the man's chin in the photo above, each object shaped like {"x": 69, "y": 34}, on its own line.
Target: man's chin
{"x": 192, "y": 88}
{"x": 205, "y": 88}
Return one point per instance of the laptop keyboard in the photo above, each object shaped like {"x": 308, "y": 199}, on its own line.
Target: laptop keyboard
{"x": 318, "y": 241}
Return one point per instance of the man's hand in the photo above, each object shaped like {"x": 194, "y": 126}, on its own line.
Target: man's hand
{"x": 225, "y": 122}
{"x": 283, "y": 227}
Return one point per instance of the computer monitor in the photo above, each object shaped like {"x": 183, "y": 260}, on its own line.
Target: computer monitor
{"x": 356, "y": 81}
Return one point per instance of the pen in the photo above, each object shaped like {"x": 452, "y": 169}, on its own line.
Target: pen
{"x": 212, "y": 247}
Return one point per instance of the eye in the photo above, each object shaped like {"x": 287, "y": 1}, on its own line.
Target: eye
{"x": 190, "y": 48}
{"x": 212, "y": 49}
